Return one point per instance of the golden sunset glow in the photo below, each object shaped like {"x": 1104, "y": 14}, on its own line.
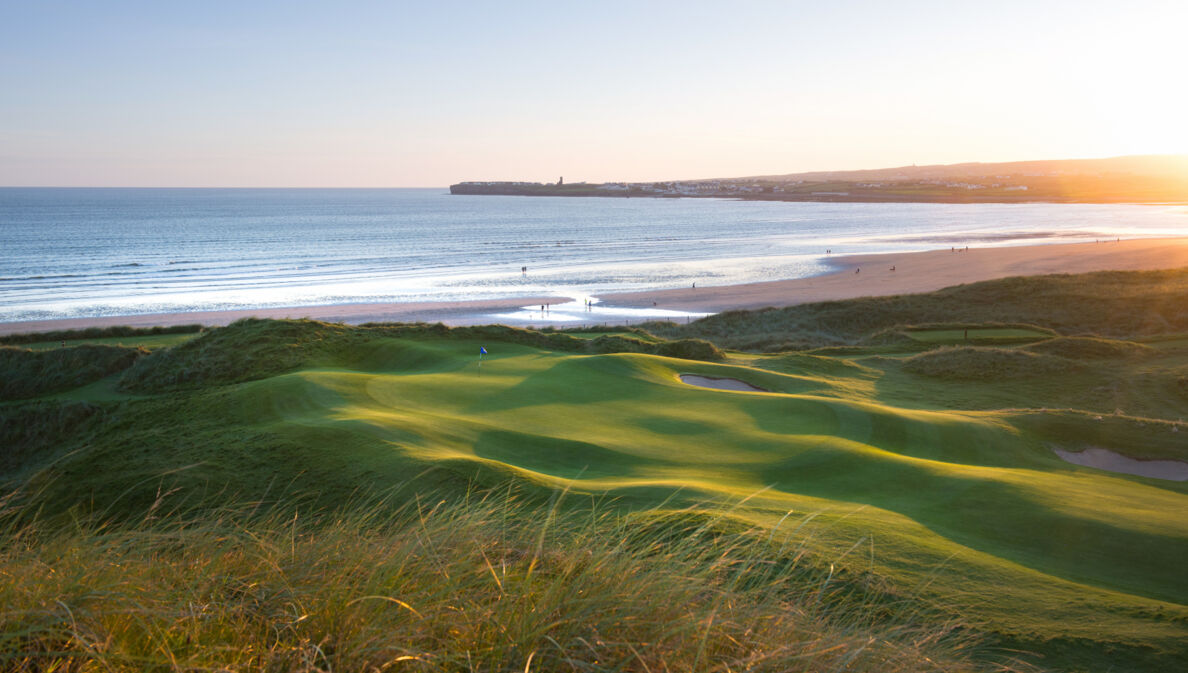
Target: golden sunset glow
{"x": 383, "y": 95}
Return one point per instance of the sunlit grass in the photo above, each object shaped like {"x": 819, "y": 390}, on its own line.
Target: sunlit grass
{"x": 943, "y": 478}
{"x": 478, "y": 584}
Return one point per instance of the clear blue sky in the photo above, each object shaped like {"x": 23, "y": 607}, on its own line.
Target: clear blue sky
{"x": 425, "y": 94}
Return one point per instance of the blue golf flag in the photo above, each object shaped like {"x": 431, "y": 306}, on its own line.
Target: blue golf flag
{"x": 482, "y": 351}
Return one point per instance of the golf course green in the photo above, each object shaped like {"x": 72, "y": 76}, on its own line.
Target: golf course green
{"x": 922, "y": 463}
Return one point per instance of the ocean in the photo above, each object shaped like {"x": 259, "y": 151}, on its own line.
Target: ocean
{"x": 69, "y": 253}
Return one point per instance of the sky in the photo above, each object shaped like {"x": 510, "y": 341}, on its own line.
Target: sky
{"x": 418, "y": 94}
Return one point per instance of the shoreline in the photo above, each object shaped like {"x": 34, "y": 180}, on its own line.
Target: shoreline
{"x": 919, "y": 272}
{"x": 914, "y": 272}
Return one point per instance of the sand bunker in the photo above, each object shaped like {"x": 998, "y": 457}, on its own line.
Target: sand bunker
{"x": 1104, "y": 459}
{"x": 721, "y": 384}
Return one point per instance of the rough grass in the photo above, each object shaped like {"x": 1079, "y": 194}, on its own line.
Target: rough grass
{"x": 27, "y": 373}
{"x": 972, "y": 363}
{"x": 97, "y": 333}
{"x": 1079, "y": 566}
{"x": 471, "y": 585}
{"x": 30, "y": 432}
{"x": 254, "y": 349}
{"x": 1091, "y": 348}
{"x": 988, "y": 334}
{"x": 257, "y": 349}
{"x": 1122, "y": 304}
{"x": 1135, "y": 436}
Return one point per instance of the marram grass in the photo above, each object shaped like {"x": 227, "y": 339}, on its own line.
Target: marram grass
{"x": 482, "y": 584}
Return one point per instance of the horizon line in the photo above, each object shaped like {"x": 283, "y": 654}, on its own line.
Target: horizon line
{"x": 739, "y": 177}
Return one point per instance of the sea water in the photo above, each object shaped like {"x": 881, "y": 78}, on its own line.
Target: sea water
{"x": 99, "y": 252}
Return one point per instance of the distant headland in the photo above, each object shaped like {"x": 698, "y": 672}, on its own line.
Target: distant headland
{"x": 1133, "y": 179}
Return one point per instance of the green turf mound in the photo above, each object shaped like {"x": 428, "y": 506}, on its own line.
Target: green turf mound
{"x": 688, "y": 349}
{"x": 400, "y": 355}
{"x": 812, "y": 364}
{"x": 581, "y": 341}
{"x": 1090, "y": 348}
{"x": 252, "y": 349}
{"x": 1138, "y": 438}
{"x": 983, "y": 364}
{"x": 243, "y": 351}
{"x": 943, "y": 486}
{"x": 31, "y": 431}
{"x": 28, "y": 373}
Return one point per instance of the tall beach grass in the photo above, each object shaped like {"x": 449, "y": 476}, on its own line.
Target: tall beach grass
{"x": 490, "y": 583}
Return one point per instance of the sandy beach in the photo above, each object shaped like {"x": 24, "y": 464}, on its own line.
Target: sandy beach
{"x": 855, "y": 276}
{"x": 871, "y": 275}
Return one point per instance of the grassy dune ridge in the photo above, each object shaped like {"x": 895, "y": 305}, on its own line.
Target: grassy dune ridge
{"x": 485, "y": 583}
{"x": 29, "y": 373}
{"x": 1119, "y": 304}
{"x": 261, "y": 348}
{"x": 938, "y": 486}
{"x": 100, "y": 334}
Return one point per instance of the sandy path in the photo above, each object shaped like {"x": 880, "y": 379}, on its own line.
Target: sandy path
{"x": 914, "y": 272}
